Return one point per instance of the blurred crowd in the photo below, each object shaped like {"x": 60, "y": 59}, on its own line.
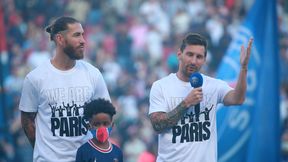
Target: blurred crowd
{"x": 133, "y": 43}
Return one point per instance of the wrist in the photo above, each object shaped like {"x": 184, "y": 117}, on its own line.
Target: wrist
{"x": 184, "y": 104}
{"x": 244, "y": 68}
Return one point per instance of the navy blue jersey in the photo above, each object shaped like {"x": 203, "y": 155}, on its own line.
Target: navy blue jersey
{"x": 89, "y": 152}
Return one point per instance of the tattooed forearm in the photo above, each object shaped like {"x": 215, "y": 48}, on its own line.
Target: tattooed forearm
{"x": 162, "y": 121}
{"x": 28, "y": 124}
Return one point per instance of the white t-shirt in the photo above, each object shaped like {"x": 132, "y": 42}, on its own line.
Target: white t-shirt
{"x": 194, "y": 138}
{"x": 58, "y": 98}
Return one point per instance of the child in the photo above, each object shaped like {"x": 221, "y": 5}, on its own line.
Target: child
{"x": 99, "y": 113}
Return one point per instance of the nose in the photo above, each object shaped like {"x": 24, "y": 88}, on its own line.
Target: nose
{"x": 82, "y": 40}
{"x": 193, "y": 60}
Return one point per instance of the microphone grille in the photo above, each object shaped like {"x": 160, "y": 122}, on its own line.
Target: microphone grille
{"x": 196, "y": 80}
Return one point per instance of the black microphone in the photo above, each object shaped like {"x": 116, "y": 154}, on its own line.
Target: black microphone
{"x": 196, "y": 80}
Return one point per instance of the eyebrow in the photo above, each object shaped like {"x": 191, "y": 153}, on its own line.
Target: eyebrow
{"x": 189, "y": 52}
{"x": 78, "y": 33}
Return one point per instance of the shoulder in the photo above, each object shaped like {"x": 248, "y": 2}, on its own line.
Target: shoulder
{"x": 39, "y": 71}
{"x": 83, "y": 152}
{"x": 87, "y": 66}
{"x": 116, "y": 148}
{"x": 165, "y": 80}
{"x": 211, "y": 80}
{"x": 84, "y": 147}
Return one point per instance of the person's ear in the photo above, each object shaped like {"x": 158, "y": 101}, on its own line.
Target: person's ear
{"x": 59, "y": 39}
{"x": 179, "y": 53}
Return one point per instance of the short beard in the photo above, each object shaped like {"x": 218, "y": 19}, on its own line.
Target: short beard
{"x": 71, "y": 53}
{"x": 185, "y": 72}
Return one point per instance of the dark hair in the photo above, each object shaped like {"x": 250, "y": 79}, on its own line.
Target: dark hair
{"x": 60, "y": 24}
{"x": 194, "y": 39}
{"x": 98, "y": 106}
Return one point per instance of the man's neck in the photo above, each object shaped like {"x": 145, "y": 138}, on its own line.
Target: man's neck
{"x": 182, "y": 77}
{"x": 62, "y": 62}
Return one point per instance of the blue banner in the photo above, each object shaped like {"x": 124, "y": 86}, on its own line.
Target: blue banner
{"x": 251, "y": 132}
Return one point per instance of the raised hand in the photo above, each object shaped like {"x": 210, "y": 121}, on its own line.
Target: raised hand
{"x": 245, "y": 54}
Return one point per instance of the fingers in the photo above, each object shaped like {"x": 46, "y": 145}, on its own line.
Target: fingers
{"x": 242, "y": 52}
{"x": 248, "y": 51}
{"x": 250, "y": 42}
{"x": 194, "y": 97}
{"x": 198, "y": 94}
{"x": 249, "y": 46}
{"x": 245, "y": 54}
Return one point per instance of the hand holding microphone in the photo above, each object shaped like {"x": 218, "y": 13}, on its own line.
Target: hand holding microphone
{"x": 196, "y": 95}
{"x": 196, "y": 81}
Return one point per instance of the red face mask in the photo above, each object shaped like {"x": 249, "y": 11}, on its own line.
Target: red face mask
{"x": 101, "y": 133}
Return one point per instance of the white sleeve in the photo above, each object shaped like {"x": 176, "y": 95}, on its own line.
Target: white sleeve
{"x": 157, "y": 100}
{"x": 101, "y": 90}
{"x": 224, "y": 88}
{"x": 29, "y": 97}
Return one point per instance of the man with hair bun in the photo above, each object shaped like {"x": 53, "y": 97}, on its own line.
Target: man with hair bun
{"x": 54, "y": 94}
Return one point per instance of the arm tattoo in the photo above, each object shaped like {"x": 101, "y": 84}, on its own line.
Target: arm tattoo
{"x": 28, "y": 124}
{"x": 162, "y": 121}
